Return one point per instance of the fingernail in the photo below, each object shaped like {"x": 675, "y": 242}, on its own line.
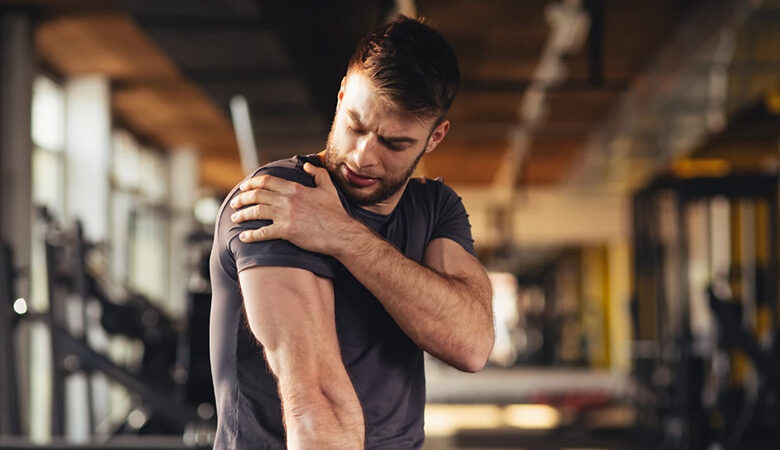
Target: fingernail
{"x": 242, "y": 186}
{"x": 234, "y": 203}
{"x": 243, "y": 236}
{"x": 234, "y": 216}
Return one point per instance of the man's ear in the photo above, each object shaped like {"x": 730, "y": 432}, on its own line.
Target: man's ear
{"x": 438, "y": 134}
{"x": 341, "y": 90}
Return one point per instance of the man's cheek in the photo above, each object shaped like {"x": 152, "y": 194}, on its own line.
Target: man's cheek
{"x": 395, "y": 170}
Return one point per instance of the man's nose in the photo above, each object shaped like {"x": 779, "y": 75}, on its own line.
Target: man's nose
{"x": 365, "y": 155}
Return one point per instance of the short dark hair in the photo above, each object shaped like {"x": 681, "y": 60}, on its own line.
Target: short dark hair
{"x": 411, "y": 65}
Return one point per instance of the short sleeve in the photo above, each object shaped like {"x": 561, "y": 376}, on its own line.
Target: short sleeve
{"x": 452, "y": 220}
{"x": 276, "y": 252}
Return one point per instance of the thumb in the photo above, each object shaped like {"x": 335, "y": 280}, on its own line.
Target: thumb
{"x": 320, "y": 174}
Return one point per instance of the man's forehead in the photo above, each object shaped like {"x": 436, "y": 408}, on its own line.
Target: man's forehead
{"x": 356, "y": 81}
{"x": 364, "y": 103}
{"x": 363, "y": 97}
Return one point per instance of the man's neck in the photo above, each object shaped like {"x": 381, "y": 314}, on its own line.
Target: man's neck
{"x": 387, "y": 205}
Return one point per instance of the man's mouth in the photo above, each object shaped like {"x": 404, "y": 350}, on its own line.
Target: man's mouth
{"x": 358, "y": 180}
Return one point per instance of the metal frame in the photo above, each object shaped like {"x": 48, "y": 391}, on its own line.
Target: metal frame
{"x": 678, "y": 405}
{"x": 69, "y": 277}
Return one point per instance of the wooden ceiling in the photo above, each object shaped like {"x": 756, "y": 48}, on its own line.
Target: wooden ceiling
{"x": 175, "y": 64}
{"x": 150, "y": 97}
{"x": 499, "y": 43}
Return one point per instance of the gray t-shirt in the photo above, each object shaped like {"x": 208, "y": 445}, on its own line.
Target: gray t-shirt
{"x": 385, "y": 366}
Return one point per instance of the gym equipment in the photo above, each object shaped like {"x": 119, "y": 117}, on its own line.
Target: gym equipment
{"x": 758, "y": 414}
{"x": 705, "y": 367}
{"x": 162, "y": 404}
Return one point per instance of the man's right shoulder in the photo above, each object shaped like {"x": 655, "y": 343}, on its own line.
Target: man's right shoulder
{"x": 290, "y": 169}
{"x": 236, "y": 255}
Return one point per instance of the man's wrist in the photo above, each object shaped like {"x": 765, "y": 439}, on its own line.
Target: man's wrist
{"x": 353, "y": 237}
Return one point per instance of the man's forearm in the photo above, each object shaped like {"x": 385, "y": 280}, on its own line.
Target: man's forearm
{"x": 321, "y": 412}
{"x": 448, "y": 316}
{"x": 291, "y": 313}
{"x": 320, "y": 421}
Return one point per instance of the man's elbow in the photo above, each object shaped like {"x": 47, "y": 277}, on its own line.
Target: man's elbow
{"x": 480, "y": 348}
{"x": 473, "y": 365}
{"x": 475, "y": 359}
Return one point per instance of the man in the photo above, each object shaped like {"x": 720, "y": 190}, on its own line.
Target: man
{"x": 331, "y": 273}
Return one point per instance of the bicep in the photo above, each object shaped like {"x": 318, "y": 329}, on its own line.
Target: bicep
{"x": 449, "y": 258}
{"x": 291, "y": 313}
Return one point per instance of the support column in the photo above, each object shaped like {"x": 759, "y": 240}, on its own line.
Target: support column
{"x": 16, "y": 72}
{"x": 183, "y": 193}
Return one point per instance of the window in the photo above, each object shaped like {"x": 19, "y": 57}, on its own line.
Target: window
{"x": 48, "y": 136}
{"x": 140, "y": 218}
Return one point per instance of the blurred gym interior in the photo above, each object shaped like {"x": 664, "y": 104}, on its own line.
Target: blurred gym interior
{"x": 619, "y": 161}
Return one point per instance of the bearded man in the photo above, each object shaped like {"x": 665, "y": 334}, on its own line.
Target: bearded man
{"x": 332, "y": 273}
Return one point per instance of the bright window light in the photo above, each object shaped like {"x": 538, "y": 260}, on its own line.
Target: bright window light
{"x": 125, "y": 160}
{"x": 532, "y": 416}
{"x": 136, "y": 419}
{"x": 444, "y": 420}
{"x": 48, "y": 114}
{"x": 153, "y": 175}
{"x": 20, "y": 306}
{"x": 47, "y": 179}
{"x": 447, "y": 419}
{"x": 206, "y": 210}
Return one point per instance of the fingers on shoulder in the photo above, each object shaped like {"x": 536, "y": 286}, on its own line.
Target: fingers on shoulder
{"x": 265, "y": 233}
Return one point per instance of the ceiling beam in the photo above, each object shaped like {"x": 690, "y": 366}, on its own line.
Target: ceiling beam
{"x": 205, "y": 76}
{"x": 519, "y": 85}
{"x": 568, "y": 27}
{"x": 197, "y": 23}
{"x": 596, "y": 41}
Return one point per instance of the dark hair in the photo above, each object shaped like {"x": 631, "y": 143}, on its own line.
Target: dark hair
{"x": 411, "y": 65}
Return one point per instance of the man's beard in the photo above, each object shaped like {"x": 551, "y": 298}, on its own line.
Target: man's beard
{"x": 387, "y": 187}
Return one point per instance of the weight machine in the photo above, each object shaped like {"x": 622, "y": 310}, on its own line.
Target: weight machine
{"x": 705, "y": 312}
{"x": 165, "y": 399}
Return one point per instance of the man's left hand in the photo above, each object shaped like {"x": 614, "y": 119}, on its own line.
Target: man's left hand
{"x": 311, "y": 218}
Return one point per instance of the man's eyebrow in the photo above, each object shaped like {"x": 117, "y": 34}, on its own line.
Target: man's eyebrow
{"x": 388, "y": 139}
{"x": 354, "y": 116}
{"x": 398, "y": 139}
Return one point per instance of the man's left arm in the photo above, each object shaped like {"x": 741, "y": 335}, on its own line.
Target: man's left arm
{"x": 444, "y": 304}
